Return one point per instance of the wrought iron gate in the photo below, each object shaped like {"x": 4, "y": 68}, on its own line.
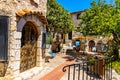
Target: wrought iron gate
{"x": 101, "y": 70}
{"x": 28, "y": 47}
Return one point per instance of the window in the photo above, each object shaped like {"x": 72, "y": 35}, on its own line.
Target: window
{"x": 3, "y": 38}
{"x": 44, "y": 40}
{"x": 78, "y": 16}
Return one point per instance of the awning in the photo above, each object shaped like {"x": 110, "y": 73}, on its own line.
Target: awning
{"x": 26, "y": 11}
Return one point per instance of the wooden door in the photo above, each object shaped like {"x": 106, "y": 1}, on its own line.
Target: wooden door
{"x": 28, "y": 47}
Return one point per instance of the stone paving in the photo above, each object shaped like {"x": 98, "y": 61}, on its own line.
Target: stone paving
{"x": 57, "y": 73}
{"x": 115, "y": 76}
{"x": 55, "y": 64}
{"x": 53, "y": 69}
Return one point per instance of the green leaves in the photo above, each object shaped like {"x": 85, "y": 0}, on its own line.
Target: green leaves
{"x": 103, "y": 19}
{"x": 58, "y": 17}
{"x": 100, "y": 19}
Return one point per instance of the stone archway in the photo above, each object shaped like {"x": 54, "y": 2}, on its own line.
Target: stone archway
{"x": 91, "y": 44}
{"x": 28, "y": 46}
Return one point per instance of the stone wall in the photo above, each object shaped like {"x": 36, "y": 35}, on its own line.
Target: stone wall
{"x": 10, "y": 8}
{"x": 75, "y": 21}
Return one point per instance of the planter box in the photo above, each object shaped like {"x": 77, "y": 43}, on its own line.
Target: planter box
{"x": 97, "y": 68}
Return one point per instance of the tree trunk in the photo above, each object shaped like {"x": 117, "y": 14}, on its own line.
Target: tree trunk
{"x": 115, "y": 46}
{"x": 64, "y": 39}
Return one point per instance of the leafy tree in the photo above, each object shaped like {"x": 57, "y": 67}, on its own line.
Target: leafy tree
{"x": 102, "y": 19}
{"x": 58, "y": 18}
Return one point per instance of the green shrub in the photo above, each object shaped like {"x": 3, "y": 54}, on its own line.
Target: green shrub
{"x": 116, "y": 66}
{"x": 48, "y": 40}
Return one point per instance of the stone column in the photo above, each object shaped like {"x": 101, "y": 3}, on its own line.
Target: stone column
{"x": 40, "y": 60}
{"x": 39, "y": 56}
{"x": 14, "y": 55}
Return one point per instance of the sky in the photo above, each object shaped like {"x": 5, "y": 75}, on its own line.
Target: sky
{"x": 76, "y": 5}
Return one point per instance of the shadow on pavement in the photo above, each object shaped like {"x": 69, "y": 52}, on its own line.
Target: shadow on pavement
{"x": 68, "y": 58}
{"x": 70, "y": 55}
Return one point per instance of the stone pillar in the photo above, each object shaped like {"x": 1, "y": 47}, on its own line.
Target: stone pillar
{"x": 14, "y": 55}
{"x": 40, "y": 60}
{"x": 38, "y": 51}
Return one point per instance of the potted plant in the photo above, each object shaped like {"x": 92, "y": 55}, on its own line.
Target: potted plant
{"x": 96, "y": 65}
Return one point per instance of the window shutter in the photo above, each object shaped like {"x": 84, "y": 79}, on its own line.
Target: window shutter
{"x": 3, "y": 38}
{"x": 44, "y": 40}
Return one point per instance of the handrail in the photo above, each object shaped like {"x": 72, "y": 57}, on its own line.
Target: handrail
{"x": 100, "y": 69}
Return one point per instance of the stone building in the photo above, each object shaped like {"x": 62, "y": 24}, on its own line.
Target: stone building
{"x": 22, "y": 29}
{"x": 76, "y": 21}
{"x": 91, "y": 40}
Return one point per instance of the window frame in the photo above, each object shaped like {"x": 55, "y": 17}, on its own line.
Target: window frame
{"x": 78, "y": 16}
{"x": 43, "y": 40}
{"x": 4, "y": 21}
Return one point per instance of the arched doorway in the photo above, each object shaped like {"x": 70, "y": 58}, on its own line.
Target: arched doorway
{"x": 28, "y": 46}
{"x": 91, "y": 44}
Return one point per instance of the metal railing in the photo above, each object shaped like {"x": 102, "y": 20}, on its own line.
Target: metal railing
{"x": 98, "y": 69}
